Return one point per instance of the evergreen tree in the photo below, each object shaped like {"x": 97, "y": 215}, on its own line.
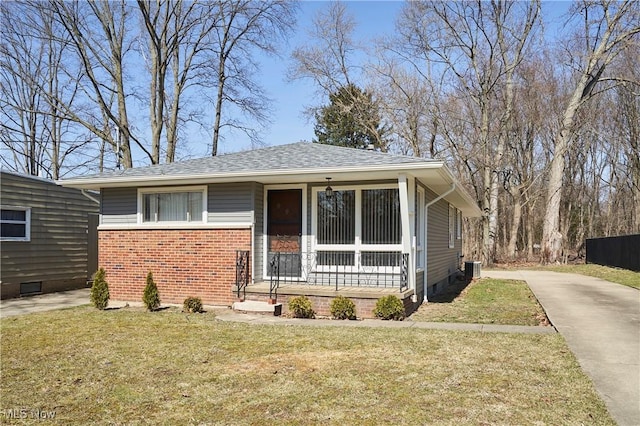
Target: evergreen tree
{"x": 100, "y": 290}
{"x": 151, "y": 298}
{"x": 351, "y": 119}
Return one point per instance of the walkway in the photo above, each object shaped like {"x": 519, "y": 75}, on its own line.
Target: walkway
{"x": 486, "y": 328}
{"x": 44, "y": 302}
{"x": 600, "y": 321}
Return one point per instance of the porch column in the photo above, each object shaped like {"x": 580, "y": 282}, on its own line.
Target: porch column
{"x": 406, "y": 190}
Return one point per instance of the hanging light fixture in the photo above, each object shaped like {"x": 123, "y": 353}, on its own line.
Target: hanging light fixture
{"x": 328, "y": 192}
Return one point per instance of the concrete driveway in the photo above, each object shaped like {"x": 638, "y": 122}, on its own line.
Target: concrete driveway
{"x": 600, "y": 321}
{"x": 44, "y": 302}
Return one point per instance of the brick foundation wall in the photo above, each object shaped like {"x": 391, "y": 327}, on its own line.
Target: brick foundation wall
{"x": 199, "y": 263}
{"x": 322, "y": 304}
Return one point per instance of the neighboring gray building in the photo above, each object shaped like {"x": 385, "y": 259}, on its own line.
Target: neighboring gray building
{"x": 48, "y": 239}
{"x": 271, "y": 223}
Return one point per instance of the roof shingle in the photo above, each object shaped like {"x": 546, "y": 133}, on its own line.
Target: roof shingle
{"x": 301, "y": 155}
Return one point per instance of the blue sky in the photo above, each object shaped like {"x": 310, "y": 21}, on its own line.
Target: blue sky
{"x": 373, "y": 19}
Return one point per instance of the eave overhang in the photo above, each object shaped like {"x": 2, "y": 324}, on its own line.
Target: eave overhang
{"x": 433, "y": 174}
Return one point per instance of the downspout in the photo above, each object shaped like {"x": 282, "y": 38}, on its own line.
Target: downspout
{"x": 426, "y": 238}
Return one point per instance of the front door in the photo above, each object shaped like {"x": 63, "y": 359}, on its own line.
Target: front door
{"x": 284, "y": 230}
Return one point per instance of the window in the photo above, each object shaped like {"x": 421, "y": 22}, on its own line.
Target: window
{"x": 358, "y": 227}
{"x": 15, "y": 223}
{"x": 337, "y": 218}
{"x": 381, "y": 216}
{"x": 458, "y": 225}
{"x": 452, "y": 225}
{"x": 173, "y": 206}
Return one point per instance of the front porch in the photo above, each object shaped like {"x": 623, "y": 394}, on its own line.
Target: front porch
{"x": 322, "y": 278}
{"x": 292, "y": 275}
{"x": 365, "y": 298}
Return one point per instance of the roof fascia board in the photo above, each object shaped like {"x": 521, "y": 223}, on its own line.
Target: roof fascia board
{"x": 468, "y": 206}
{"x": 126, "y": 181}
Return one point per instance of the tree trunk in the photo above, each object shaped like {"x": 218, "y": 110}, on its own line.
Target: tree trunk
{"x": 515, "y": 223}
{"x": 218, "y": 106}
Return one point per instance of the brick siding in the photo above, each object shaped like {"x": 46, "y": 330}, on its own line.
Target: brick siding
{"x": 322, "y": 304}
{"x": 198, "y": 263}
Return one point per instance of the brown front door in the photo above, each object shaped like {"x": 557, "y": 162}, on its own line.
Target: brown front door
{"x": 284, "y": 229}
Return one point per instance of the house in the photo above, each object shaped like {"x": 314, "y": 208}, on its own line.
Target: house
{"x": 48, "y": 239}
{"x": 286, "y": 220}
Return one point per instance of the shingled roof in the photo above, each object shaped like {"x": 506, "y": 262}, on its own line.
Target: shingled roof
{"x": 297, "y": 162}
{"x": 301, "y": 155}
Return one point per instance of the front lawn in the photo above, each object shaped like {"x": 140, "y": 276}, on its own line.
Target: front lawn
{"x": 484, "y": 301}
{"x": 129, "y": 366}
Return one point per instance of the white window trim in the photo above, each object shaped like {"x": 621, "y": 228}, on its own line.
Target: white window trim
{"x": 458, "y": 224}
{"x": 27, "y": 223}
{"x": 171, "y": 224}
{"x": 451, "y": 225}
{"x": 357, "y": 247}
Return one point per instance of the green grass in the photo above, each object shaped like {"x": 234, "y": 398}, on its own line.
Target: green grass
{"x": 485, "y": 301}
{"x": 133, "y": 367}
{"x": 615, "y": 275}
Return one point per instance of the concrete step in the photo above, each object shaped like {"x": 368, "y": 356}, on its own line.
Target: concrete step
{"x": 258, "y": 307}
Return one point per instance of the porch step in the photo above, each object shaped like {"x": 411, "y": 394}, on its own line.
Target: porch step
{"x": 258, "y": 307}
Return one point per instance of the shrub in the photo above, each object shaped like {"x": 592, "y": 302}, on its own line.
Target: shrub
{"x": 151, "y": 298}
{"x": 192, "y": 305}
{"x": 343, "y": 308}
{"x": 389, "y": 308}
{"x": 100, "y": 290}
{"x": 300, "y": 307}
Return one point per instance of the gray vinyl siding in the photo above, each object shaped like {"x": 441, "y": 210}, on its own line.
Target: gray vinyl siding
{"x": 231, "y": 202}
{"x": 226, "y": 203}
{"x": 119, "y": 206}
{"x": 442, "y": 261}
{"x": 57, "y": 250}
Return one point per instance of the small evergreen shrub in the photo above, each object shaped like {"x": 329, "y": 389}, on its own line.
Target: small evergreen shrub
{"x": 151, "y": 298}
{"x": 300, "y": 307}
{"x": 389, "y": 308}
{"x": 100, "y": 290}
{"x": 343, "y": 308}
{"x": 192, "y": 305}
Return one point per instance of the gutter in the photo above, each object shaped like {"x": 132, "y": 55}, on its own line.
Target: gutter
{"x": 114, "y": 181}
{"x": 426, "y": 213}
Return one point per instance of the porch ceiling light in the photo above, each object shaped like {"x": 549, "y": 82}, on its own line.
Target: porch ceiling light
{"x": 328, "y": 192}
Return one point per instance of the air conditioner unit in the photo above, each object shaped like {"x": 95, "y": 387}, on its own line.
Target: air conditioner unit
{"x": 472, "y": 269}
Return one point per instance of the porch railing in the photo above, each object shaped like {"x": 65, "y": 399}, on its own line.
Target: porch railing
{"x": 340, "y": 269}
{"x": 274, "y": 271}
{"x": 242, "y": 271}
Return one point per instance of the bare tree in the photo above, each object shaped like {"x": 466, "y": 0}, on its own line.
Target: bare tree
{"x": 178, "y": 46}
{"x": 407, "y": 101}
{"x": 608, "y": 29}
{"x": 478, "y": 46}
{"x": 326, "y": 57}
{"x": 37, "y": 138}
{"x": 100, "y": 41}
{"x": 85, "y": 75}
{"x": 244, "y": 27}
